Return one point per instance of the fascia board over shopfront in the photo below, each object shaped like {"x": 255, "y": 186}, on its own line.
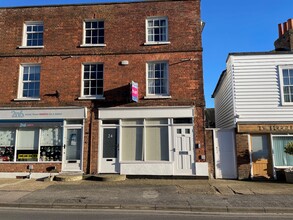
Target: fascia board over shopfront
{"x": 42, "y": 113}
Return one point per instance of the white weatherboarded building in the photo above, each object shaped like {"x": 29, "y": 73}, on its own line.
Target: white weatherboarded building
{"x": 254, "y": 96}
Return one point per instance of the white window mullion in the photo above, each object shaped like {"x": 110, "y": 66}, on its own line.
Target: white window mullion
{"x": 144, "y": 141}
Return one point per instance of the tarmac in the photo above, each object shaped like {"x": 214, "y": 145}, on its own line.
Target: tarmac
{"x": 195, "y": 195}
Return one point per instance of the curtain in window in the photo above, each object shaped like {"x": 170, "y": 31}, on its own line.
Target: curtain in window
{"x": 280, "y": 157}
{"x": 132, "y": 143}
{"x": 157, "y": 143}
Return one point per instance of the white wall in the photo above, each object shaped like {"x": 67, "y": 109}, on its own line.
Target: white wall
{"x": 257, "y": 91}
{"x": 224, "y": 106}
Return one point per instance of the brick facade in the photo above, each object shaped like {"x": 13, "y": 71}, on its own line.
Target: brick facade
{"x": 209, "y": 140}
{"x": 62, "y": 57}
{"x": 243, "y": 156}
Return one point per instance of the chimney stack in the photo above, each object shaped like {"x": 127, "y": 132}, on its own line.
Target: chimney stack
{"x": 285, "y": 40}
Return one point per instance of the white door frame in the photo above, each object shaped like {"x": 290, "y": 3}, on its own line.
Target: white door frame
{"x": 109, "y": 165}
{"x": 68, "y": 167}
{"x": 184, "y": 155}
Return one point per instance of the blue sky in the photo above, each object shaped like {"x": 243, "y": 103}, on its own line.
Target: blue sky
{"x": 231, "y": 26}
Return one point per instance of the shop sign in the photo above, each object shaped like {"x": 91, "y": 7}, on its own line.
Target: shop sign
{"x": 134, "y": 91}
{"x": 42, "y": 113}
{"x": 265, "y": 128}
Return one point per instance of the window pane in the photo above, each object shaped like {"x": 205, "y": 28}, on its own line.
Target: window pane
{"x": 7, "y": 137}
{"x": 280, "y": 157}
{"x": 99, "y": 91}
{"x": 157, "y": 143}
{"x": 157, "y": 121}
{"x": 51, "y": 136}
{"x": 87, "y": 24}
{"x": 132, "y": 143}
{"x": 86, "y": 91}
{"x": 51, "y": 144}
{"x": 291, "y": 73}
{"x": 132, "y": 122}
{"x": 27, "y": 144}
{"x": 101, "y": 24}
{"x": 287, "y": 98}
{"x": 95, "y": 24}
{"x": 86, "y": 75}
{"x": 285, "y": 73}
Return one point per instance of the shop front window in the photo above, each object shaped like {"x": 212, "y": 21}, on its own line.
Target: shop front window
{"x": 7, "y": 145}
{"x": 145, "y": 140}
{"x": 33, "y": 143}
{"x": 27, "y": 144}
{"x": 51, "y": 144}
{"x": 280, "y": 157}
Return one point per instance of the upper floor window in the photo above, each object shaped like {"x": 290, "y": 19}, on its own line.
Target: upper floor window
{"x": 92, "y": 86}
{"x": 286, "y": 82}
{"x": 157, "y": 30}
{"x": 157, "y": 79}
{"x": 93, "y": 33}
{"x": 29, "y": 83}
{"x": 33, "y": 34}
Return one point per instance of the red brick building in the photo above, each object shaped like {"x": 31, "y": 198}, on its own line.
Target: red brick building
{"x": 102, "y": 88}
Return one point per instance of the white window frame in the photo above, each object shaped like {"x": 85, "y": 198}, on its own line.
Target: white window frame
{"x": 144, "y": 125}
{"x": 84, "y": 44}
{"x": 162, "y": 95}
{"x": 82, "y": 96}
{"x": 272, "y": 136}
{"x": 281, "y": 68}
{"x": 24, "y": 39}
{"x": 20, "y": 96}
{"x": 147, "y": 42}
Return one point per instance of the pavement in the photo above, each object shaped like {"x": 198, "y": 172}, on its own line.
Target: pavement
{"x": 231, "y": 196}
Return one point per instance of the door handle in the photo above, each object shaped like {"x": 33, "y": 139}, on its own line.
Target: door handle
{"x": 64, "y": 146}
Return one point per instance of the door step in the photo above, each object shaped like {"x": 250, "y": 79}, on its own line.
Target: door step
{"x": 108, "y": 177}
{"x": 69, "y": 176}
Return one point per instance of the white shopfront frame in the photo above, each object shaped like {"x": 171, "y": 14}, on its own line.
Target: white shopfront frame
{"x": 145, "y": 167}
{"x": 26, "y": 116}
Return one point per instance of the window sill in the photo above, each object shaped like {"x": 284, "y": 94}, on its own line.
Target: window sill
{"x": 26, "y": 99}
{"x": 146, "y": 162}
{"x": 10, "y": 162}
{"x": 91, "y": 98}
{"x": 287, "y": 104}
{"x": 157, "y": 97}
{"x": 157, "y": 43}
{"x": 92, "y": 45}
{"x": 30, "y": 47}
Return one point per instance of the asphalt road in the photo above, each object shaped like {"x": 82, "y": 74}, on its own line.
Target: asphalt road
{"x": 48, "y": 214}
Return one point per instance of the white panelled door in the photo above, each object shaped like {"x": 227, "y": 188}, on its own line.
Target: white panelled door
{"x": 183, "y": 151}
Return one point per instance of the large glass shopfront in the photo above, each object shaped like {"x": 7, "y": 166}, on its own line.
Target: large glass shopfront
{"x": 42, "y": 135}
{"x": 30, "y": 141}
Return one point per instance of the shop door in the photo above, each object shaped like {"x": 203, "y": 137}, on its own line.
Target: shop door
{"x": 72, "y": 150}
{"x": 109, "y": 162}
{"x": 259, "y": 156}
{"x": 183, "y": 151}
